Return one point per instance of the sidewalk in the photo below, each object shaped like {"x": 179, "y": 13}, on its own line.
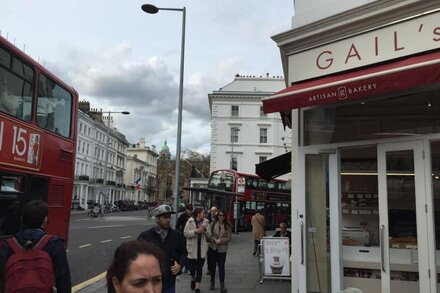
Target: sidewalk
{"x": 241, "y": 273}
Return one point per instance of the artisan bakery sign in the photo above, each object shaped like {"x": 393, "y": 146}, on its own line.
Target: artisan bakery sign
{"x": 397, "y": 40}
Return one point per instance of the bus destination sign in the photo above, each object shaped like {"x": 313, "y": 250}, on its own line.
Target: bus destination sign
{"x": 20, "y": 145}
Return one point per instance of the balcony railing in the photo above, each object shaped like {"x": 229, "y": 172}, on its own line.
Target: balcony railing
{"x": 82, "y": 177}
{"x": 109, "y": 182}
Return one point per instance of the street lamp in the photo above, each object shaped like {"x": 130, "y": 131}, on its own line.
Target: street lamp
{"x": 149, "y": 8}
{"x": 107, "y": 139}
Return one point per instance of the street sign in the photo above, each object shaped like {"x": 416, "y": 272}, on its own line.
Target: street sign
{"x": 241, "y": 181}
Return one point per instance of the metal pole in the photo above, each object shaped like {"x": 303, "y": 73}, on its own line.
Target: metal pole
{"x": 236, "y": 216}
{"x": 179, "y": 117}
{"x": 107, "y": 142}
{"x": 232, "y": 151}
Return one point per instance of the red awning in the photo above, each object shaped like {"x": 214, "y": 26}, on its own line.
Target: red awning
{"x": 406, "y": 74}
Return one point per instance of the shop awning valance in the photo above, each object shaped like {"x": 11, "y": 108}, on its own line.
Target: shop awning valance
{"x": 275, "y": 167}
{"x": 406, "y": 74}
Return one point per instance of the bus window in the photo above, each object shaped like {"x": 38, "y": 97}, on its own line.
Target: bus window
{"x": 11, "y": 185}
{"x": 16, "y": 80}
{"x": 53, "y": 107}
{"x": 10, "y": 218}
{"x": 271, "y": 185}
{"x": 39, "y": 188}
{"x": 221, "y": 180}
{"x": 262, "y": 184}
{"x": 11, "y": 191}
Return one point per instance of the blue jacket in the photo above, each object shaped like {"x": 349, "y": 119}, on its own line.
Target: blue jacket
{"x": 55, "y": 248}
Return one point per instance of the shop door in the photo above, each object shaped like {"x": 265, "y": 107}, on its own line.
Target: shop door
{"x": 403, "y": 232}
{"x": 315, "y": 223}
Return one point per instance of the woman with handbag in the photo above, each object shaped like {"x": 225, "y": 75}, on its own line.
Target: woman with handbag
{"x": 221, "y": 235}
{"x": 197, "y": 233}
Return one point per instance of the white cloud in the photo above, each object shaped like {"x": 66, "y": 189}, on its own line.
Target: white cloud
{"x": 120, "y": 58}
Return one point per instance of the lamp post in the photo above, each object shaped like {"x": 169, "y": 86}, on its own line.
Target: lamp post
{"x": 236, "y": 207}
{"x": 107, "y": 140}
{"x": 149, "y": 8}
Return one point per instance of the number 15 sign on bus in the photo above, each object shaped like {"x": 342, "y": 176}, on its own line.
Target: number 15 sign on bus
{"x": 20, "y": 145}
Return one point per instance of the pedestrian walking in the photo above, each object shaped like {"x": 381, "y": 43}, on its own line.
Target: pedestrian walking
{"x": 172, "y": 244}
{"x": 212, "y": 218}
{"x": 180, "y": 225}
{"x": 258, "y": 231}
{"x": 197, "y": 233}
{"x": 32, "y": 259}
{"x": 136, "y": 267}
{"x": 183, "y": 218}
{"x": 221, "y": 235}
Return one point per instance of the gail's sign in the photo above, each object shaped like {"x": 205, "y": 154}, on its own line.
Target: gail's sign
{"x": 20, "y": 145}
{"x": 397, "y": 40}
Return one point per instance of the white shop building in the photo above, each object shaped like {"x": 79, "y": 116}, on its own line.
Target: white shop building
{"x": 363, "y": 103}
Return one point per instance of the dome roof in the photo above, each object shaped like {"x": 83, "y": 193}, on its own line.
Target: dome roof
{"x": 165, "y": 148}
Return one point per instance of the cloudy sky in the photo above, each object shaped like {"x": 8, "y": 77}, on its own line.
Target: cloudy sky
{"x": 120, "y": 58}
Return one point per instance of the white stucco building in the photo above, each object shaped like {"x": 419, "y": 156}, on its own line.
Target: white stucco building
{"x": 241, "y": 134}
{"x": 90, "y": 158}
{"x": 141, "y": 172}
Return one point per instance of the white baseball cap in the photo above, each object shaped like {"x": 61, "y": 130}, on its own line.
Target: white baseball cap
{"x": 162, "y": 210}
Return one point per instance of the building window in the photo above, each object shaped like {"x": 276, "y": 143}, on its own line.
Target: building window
{"x": 234, "y": 164}
{"x": 234, "y": 111}
{"x": 234, "y": 135}
{"x": 262, "y": 114}
{"x": 263, "y": 135}
{"x": 263, "y": 159}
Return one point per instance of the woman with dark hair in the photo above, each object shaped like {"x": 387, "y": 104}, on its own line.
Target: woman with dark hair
{"x": 221, "y": 235}
{"x": 137, "y": 265}
{"x": 197, "y": 232}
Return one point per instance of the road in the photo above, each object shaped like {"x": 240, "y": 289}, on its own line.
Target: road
{"x": 92, "y": 242}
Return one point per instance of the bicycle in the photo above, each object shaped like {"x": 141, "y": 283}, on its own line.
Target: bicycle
{"x": 95, "y": 212}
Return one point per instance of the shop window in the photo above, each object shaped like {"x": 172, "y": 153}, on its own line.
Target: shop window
{"x": 388, "y": 117}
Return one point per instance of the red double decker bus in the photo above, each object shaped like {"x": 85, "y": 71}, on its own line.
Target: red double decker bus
{"x": 271, "y": 197}
{"x": 38, "y": 114}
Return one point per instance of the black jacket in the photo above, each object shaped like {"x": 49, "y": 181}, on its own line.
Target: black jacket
{"x": 278, "y": 234}
{"x": 174, "y": 250}
{"x": 55, "y": 248}
{"x": 181, "y": 221}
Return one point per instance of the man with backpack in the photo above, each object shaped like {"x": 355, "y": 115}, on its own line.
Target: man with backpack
{"x": 32, "y": 259}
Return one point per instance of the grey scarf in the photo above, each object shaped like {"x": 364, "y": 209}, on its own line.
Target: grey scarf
{"x": 161, "y": 232}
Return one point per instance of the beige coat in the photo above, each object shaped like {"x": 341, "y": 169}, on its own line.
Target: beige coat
{"x": 258, "y": 222}
{"x": 221, "y": 233}
{"x": 191, "y": 238}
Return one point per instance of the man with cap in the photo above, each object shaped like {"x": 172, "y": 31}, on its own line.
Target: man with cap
{"x": 172, "y": 243}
